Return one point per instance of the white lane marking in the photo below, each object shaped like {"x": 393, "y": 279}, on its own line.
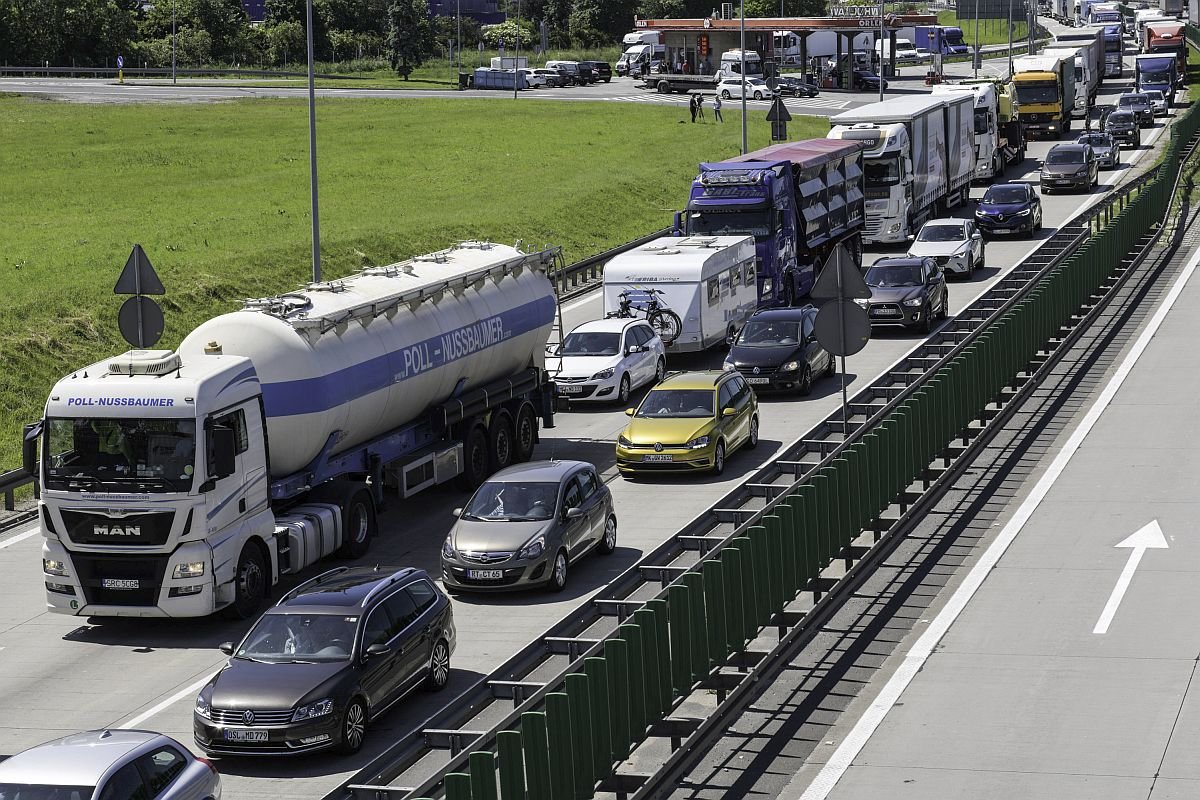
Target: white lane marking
{"x": 175, "y": 698}
{"x": 915, "y": 659}
{"x": 19, "y": 538}
{"x": 1149, "y": 535}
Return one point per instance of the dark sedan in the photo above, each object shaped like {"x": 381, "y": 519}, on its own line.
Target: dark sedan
{"x": 794, "y": 87}
{"x": 1070, "y": 166}
{"x": 906, "y": 291}
{"x": 331, "y": 656}
{"x": 777, "y": 349}
{"x": 1009, "y": 208}
{"x": 601, "y": 69}
{"x": 867, "y": 81}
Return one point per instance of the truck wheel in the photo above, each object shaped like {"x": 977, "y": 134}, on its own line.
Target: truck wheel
{"x": 500, "y": 442}
{"x": 525, "y": 434}
{"x": 358, "y": 523}
{"x": 249, "y": 583}
{"x": 664, "y": 87}
{"x": 475, "y": 459}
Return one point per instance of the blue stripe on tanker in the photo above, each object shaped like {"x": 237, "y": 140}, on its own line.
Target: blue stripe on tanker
{"x": 319, "y": 394}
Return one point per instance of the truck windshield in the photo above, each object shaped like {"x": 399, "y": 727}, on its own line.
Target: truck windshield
{"x": 146, "y": 455}
{"x": 730, "y": 223}
{"x": 882, "y": 171}
{"x": 1037, "y": 92}
{"x": 953, "y": 36}
{"x": 1114, "y": 45}
{"x": 1155, "y": 77}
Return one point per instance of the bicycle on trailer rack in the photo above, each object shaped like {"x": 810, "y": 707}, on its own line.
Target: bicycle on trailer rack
{"x": 645, "y": 303}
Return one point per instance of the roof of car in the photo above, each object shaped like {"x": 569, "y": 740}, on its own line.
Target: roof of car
{"x": 900, "y": 261}
{"x": 341, "y": 588}
{"x": 1013, "y": 185}
{"x": 537, "y": 471}
{"x": 784, "y": 313}
{"x": 948, "y": 221}
{"x": 609, "y": 324}
{"x": 700, "y": 379}
{"x": 80, "y": 759}
{"x": 1070, "y": 147}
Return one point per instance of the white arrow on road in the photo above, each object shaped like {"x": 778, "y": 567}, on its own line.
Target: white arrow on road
{"x": 1148, "y": 536}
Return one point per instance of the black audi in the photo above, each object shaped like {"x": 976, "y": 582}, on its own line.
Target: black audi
{"x": 777, "y": 349}
{"x": 328, "y": 659}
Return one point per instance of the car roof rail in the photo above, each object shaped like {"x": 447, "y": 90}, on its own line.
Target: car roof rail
{"x": 398, "y": 575}
{"x": 317, "y": 581}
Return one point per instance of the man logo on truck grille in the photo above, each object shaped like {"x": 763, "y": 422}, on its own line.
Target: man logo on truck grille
{"x": 116, "y": 530}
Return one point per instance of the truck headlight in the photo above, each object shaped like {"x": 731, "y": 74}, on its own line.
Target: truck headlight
{"x": 603, "y": 374}
{"x": 534, "y": 549}
{"x": 317, "y": 709}
{"x": 914, "y": 301}
{"x": 192, "y": 569}
{"x": 697, "y": 443}
{"x": 894, "y": 228}
{"x": 52, "y": 566}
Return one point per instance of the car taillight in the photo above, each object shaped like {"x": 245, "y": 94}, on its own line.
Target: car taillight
{"x": 207, "y": 763}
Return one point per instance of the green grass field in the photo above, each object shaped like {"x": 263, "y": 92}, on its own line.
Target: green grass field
{"x": 991, "y": 31}
{"x": 218, "y": 196}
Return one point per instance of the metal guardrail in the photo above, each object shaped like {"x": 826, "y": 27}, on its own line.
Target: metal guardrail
{"x": 26, "y": 474}
{"x": 583, "y": 276}
{"x": 159, "y": 72}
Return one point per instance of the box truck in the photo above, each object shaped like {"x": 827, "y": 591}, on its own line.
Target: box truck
{"x": 1114, "y": 49}
{"x": 1167, "y": 38}
{"x": 1046, "y": 92}
{"x": 178, "y": 483}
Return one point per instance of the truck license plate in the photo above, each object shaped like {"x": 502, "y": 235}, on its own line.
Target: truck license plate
{"x": 658, "y": 459}
{"x": 758, "y": 380}
{"x": 245, "y": 736}
{"x": 119, "y": 583}
{"x": 485, "y": 574}
{"x": 570, "y": 389}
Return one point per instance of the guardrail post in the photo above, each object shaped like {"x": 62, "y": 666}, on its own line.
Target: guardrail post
{"x": 699, "y": 625}
{"x": 512, "y": 765}
{"x": 791, "y": 543}
{"x": 735, "y": 618}
{"x": 749, "y": 592}
{"x": 655, "y": 707}
{"x": 761, "y": 584}
{"x": 581, "y": 731}
{"x": 562, "y": 765}
{"x": 823, "y": 523}
{"x": 773, "y": 539}
{"x": 715, "y": 610}
{"x": 483, "y": 775}
{"x": 537, "y": 755}
{"x": 638, "y": 717}
{"x": 458, "y": 786}
{"x": 603, "y": 758}
{"x": 616, "y": 652}
{"x": 661, "y": 633}
{"x": 681, "y": 640}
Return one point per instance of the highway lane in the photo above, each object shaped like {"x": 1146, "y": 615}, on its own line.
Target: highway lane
{"x": 60, "y": 674}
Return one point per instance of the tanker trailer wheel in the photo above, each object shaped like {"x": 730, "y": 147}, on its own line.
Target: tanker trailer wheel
{"x": 249, "y": 583}
{"x": 501, "y": 447}
{"x": 358, "y": 522}
{"x": 475, "y": 459}
{"x": 525, "y": 434}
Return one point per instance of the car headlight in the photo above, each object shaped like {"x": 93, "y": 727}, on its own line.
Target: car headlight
{"x": 1022, "y": 213}
{"x": 621, "y": 440}
{"x": 534, "y": 548}
{"x": 603, "y": 374}
{"x": 192, "y": 569}
{"x": 979, "y": 212}
{"x": 914, "y": 301}
{"x": 202, "y": 707}
{"x": 862, "y": 303}
{"x": 728, "y": 365}
{"x": 51, "y": 566}
{"x": 313, "y": 710}
{"x": 790, "y": 366}
{"x": 697, "y": 443}
{"x": 448, "y": 548}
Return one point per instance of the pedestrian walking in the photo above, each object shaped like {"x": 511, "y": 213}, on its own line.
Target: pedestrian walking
{"x": 692, "y": 106}
{"x": 717, "y": 108}
{"x": 700, "y": 106}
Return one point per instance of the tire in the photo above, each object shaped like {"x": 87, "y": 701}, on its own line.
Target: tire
{"x": 623, "y": 390}
{"x": 789, "y": 291}
{"x": 666, "y": 323}
{"x": 358, "y": 523}
{"x": 752, "y": 440}
{"x": 439, "y": 667}
{"x": 718, "y": 467}
{"x": 945, "y": 312}
{"x": 475, "y": 459}
{"x": 353, "y": 728}
{"x": 725, "y": 94}
{"x": 249, "y": 583}
{"x": 500, "y": 442}
{"x": 926, "y": 325}
{"x": 664, "y": 87}
{"x": 524, "y": 434}
{"x": 831, "y": 370}
{"x": 804, "y": 387}
{"x": 558, "y": 572}
{"x": 608, "y": 541}
{"x": 758, "y": 95}
{"x": 981, "y": 263}
{"x": 660, "y": 371}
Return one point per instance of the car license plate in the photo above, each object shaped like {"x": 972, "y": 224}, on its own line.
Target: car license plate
{"x": 568, "y": 389}
{"x": 658, "y": 459}
{"x": 1063, "y": 183}
{"x": 758, "y": 380}
{"x": 885, "y": 312}
{"x": 245, "y": 736}
{"x": 485, "y": 574}
{"x": 119, "y": 583}
{"x": 1003, "y": 231}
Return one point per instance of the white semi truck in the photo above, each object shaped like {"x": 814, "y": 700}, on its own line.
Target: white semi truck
{"x": 999, "y": 140}
{"x": 1087, "y": 46}
{"x": 175, "y": 484}
{"x": 918, "y": 161}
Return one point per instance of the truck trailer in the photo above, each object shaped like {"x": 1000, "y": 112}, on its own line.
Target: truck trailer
{"x": 919, "y": 160}
{"x": 175, "y": 484}
{"x": 1089, "y": 61}
{"x": 799, "y": 200}
{"x": 1114, "y": 49}
{"x": 999, "y": 140}
{"x": 1167, "y": 38}
{"x": 1104, "y": 14}
{"x": 1046, "y": 91}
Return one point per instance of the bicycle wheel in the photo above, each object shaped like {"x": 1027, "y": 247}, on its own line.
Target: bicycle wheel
{"x": 666, "y": 323}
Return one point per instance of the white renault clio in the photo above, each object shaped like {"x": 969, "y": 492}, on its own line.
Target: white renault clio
{"x": 606, "y": 359}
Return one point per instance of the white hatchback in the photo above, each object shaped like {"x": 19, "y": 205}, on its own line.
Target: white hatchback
{"x": 755, "y": 87}
{"x": 606, "y": 359}
{"x": 956, "y": 245}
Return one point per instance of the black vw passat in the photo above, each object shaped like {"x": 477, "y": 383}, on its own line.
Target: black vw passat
{"x": 330, "y": 657}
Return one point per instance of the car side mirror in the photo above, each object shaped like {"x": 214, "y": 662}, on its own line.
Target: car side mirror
{"x": 629, "y": 412}
{"x": 226, "y": 648}
{"x": 457, "y": 512}
{"x": 976, "y": 235}
{"x": 377, "y": 650}
{"x": 728, "y": 412}
{"x": 574, "y": 512}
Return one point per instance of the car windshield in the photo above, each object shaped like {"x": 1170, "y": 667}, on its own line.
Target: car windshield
{"x": 942, "y": 233}
{"x": 299, "y": 638}
{"x": 1120, "y": 119}
{"x": 513, "y": 501}
{"x": 769, "y": 333}
{"x": 666, "y": 403}
{"x": 591, "y": 343}
{"x": 1155, "y": 95}
{"x": 1133, "y": 101}
{"x": 1005, "y": 194}
{"x": 93, "y": 453}
{"x": 40, "y": 791}
{"x": 888, "y": 276}
{"x": 1065, "y": 157}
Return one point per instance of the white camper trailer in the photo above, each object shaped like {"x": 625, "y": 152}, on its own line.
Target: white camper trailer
{"x": 709, "y": 281}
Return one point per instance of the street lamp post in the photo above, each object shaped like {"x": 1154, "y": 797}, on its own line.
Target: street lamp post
{"x": 312, "y": 151}
{"x": 882, "y": 8}
{"x": 742, "y": 27}
{"x": 975, "y": 58}
{"x": 458, "y": 41}
{"x": 173, "y": 4}
{"x": 517, "y": 58}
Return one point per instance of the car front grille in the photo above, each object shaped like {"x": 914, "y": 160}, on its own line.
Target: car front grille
{"x": 665, "y": 446}
{"x": 485, "y": 558}
{"x": 258, "y": 719}
{"x": 148, "y": 571}
{"x": 757, "y": 372}
{"x": 886, "y": 311}
{"x": 150, "y": 529}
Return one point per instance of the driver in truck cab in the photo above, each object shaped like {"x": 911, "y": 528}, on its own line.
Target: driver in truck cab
{"x": 111, "y": 442}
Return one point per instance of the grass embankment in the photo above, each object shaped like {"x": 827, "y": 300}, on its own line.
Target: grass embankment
{"x": 218, "y": 196}
{"x": 991, "y": 31}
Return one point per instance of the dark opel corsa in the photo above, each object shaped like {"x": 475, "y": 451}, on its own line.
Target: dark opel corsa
{"x": 328, "y": 659}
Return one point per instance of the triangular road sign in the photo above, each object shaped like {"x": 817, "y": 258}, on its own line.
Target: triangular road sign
{"x": 778, "y": 111}
{"x": 841, "y": 278}
{"x": 139, "y": 276}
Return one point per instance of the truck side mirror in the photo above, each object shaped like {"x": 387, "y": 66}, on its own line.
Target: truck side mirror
{"x": 677, "y": 223}
{"x": 222, "y": 450}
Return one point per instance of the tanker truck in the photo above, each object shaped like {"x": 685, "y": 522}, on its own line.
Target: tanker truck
{"x": 176, "y": 484}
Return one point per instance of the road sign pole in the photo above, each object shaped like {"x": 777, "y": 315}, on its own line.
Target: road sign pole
{"x": 841, "y": 290}
{"x": 743, "y": 53}
{"x": 312, "y": 153}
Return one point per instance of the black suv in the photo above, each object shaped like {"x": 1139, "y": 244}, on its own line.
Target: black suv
{"x": 906, "y": 291}
{"x": 587, "y": 73}
{"x": 601, "y": 69}
{"x": 1123, "y": 126}
{"x": 330, "y": 657}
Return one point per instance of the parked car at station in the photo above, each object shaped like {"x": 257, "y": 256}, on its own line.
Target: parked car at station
{"x": 955, "y": 244}
{"x": 1070, "y": 166}
{"x": 755, "y": 88}
{"x": 109, "y": 765}
{"x": 602, "y": 69}
{"x": 1108, "y": 152}
{"x": 606, "y": 359}
{"x": 534, "y": 79}
{"x": 553, "y": 78}
{"x": 794, "y": 87}
{"x": 330, "y": 657}
{"x": 906, "y": 291}
{"x": 572, "y": 70}
{"x": 527, "y": 525}
{"x": 1009, "y": 208}
{"x": 1123, "y": 126}
{"x": 691, "y": 422}
{"x": 778, "y": 349}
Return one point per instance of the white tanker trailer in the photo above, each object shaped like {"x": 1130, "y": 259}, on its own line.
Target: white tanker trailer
{"x": 178, "y": 483}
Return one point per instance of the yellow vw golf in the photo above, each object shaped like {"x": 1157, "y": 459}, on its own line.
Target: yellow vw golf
{"x": 688, "y": 423}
